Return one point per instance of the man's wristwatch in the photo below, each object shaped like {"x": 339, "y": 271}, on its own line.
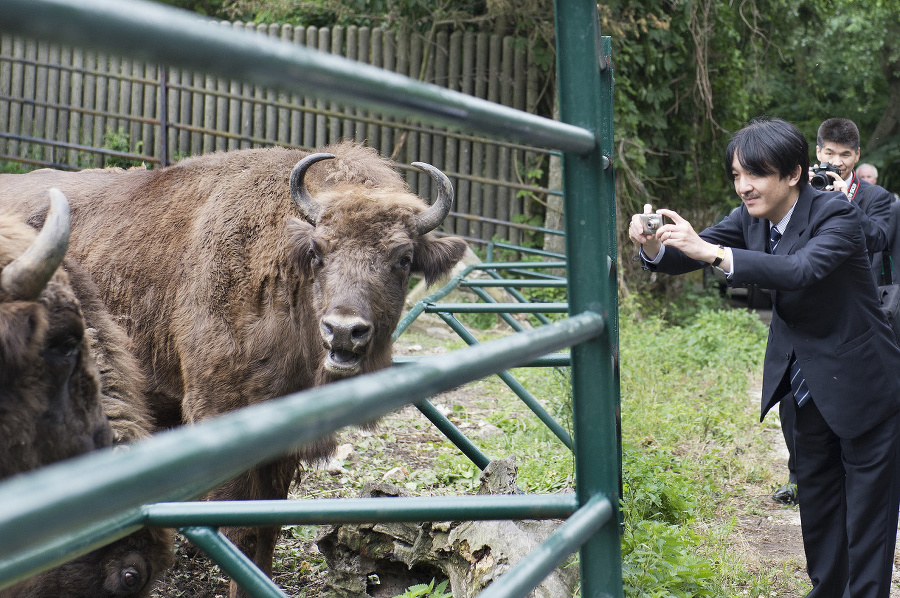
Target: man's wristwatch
{"x": 720, "y": 255}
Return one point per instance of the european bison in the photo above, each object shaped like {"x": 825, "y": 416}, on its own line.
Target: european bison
{"x": 247, "y": 275}
{"x": 55, "y": 403}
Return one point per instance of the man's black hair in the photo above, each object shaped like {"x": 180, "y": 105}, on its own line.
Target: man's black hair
{"x": 768, "y": 145}
{"x": 838, "y": 130}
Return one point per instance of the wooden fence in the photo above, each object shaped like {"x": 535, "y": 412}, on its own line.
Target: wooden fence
{"x": 67, "y": 108}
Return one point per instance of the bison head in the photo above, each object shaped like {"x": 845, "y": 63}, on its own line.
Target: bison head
{"x": 123, "y": 569}
{"x": 359, "y": 244}
{"x": 49, "y": 389}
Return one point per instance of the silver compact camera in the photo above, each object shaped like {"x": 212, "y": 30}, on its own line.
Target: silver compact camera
{"x": 651, "y": 223}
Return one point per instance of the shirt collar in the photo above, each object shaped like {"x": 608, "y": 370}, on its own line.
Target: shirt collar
{"x": 781, "y": 225}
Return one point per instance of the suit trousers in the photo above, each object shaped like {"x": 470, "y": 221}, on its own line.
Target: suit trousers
{"x": 850, "y": 494}
{"x": 787, "y": 413}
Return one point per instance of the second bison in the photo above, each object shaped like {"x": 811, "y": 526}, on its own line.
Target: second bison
{"x": 251, "y": 274}
{"x": 68, "y": 385}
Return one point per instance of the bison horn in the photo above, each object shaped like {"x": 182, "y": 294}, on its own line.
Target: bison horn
{"x": 309, "y": 208}
{"x": 26, "y": 276}
{"x": 431, "y": 218}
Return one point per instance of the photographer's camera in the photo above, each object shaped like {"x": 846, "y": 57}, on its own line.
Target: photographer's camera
{"x": 819, "y": 179}
{"x": 651, "y": 223}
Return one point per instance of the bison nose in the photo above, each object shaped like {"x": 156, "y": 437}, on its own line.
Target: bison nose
{"x": 346, "y": 332}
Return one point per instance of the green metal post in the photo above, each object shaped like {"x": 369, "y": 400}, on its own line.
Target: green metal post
{"x": 233, "y": 562}
{"x": 585, "y": 99}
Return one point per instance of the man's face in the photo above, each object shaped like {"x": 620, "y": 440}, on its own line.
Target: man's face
{"x": 842, "y": 157}
{"x": 769, "y": 196}
{"x": 867, "y": 173}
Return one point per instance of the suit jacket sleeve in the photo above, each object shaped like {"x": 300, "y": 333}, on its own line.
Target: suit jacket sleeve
{"x": 874, "y": 205}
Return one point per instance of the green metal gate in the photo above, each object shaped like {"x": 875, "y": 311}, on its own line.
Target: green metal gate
{"x": 56, "y": 513}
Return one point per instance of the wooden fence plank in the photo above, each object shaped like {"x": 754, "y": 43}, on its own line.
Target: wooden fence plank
{"x": 147, "y": 143}
{"x": 51, "y": 122}
{"x": 389, "y": 43}
{"x": 17, "y": 89}
{"x": 41, "y": 82}
{"x": 296, "y": 137}
{"x": 286, "y": 33}
{"x": 271, "y": 112}
{"x": 75, "y": 101}
{"x": 345, "y": 127}
{"x": 88, "y": 102}
{"x": 6, "y": 67}
{"x": 335, "y": 122}
{"x": 28, "y": 85}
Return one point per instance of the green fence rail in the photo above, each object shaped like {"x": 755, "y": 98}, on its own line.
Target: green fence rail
{"x": 53, "y": 514}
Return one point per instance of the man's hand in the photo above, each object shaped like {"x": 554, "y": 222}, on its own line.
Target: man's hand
{"x": 649, "y": 243}
{"x": 839, "y": 184}
{"x": 681, "y": 235}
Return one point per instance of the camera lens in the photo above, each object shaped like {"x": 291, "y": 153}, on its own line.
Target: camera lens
{"x": 819, "y": 181}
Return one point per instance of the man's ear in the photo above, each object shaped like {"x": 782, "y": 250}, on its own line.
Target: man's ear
{"x": 794, "y": 177}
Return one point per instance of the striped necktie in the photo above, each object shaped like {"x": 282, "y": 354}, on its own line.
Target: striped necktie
{"x": 774, "y": 237}
{"x": 798, "y": 382}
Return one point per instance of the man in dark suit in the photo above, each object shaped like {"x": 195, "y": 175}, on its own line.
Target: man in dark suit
{"x": 830, "y": 348}
{"x": 837, "y": 143}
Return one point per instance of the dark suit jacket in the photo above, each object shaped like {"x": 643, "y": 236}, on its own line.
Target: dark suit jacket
{"x": 893, "y": 248}
{"x": 875, "y": 204}
{"x": 825, "y": 308}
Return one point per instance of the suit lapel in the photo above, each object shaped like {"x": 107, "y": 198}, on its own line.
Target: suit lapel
{"x": 799, "y": 222}
{"x": 758, "y": 235}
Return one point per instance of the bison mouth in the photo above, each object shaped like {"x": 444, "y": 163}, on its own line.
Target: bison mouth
{"x": 343, "y": 363}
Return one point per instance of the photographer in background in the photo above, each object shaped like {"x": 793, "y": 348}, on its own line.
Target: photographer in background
{"x": 830, "y": 348}
{"x": 837, "y": 143}
{"x": 837, "y": 150}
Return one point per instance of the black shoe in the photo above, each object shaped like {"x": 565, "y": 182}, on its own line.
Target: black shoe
{"x": 787, "y": 494}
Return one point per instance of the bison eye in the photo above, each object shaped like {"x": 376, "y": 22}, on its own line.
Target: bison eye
{"x": 131, "y": 578}
{"x": 65, "y": 345}
{"x": 404, "y": 262}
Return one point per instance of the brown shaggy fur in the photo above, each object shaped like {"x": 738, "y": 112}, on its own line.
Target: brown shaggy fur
{"x": 56, "y": 404}
{"x": 224, "y": 289}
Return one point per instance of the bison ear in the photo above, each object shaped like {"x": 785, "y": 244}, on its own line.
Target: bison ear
{"x": 23, "y": 328}
{"x": 435, "y": 256}
{"x": 299, "y": 235}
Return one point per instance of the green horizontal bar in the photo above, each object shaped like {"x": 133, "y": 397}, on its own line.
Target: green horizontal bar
{"x": 507, "y": 265}
{"x": 519, "y": 282}
{"x": 37, "y": 507}
{"x": 493, "y": 308}
{"x": 556, "y": 360}
{"x": 156, "y": 33}
{"x": 528, "y": 573}
{"x": 531, "y": 273}
{"x": 361, "y": 510}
